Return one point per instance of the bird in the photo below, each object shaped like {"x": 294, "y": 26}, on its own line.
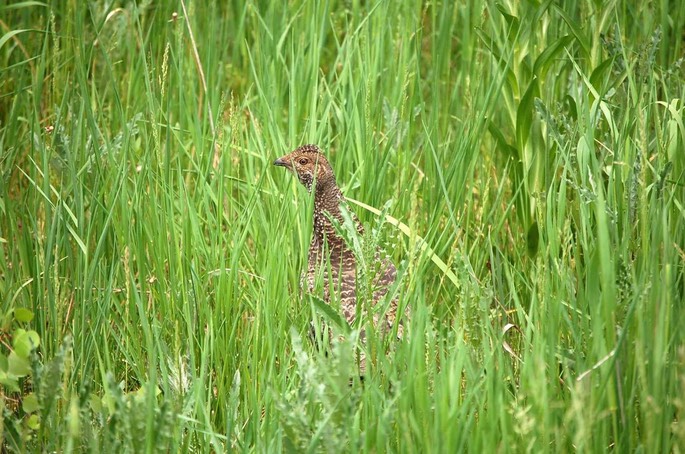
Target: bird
{"x": 313, "y": 170}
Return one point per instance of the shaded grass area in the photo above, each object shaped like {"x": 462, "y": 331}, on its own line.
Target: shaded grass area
{"x": 533, "y": 155}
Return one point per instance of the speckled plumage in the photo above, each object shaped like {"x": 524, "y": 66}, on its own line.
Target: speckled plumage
{"x": 315, "y": 173}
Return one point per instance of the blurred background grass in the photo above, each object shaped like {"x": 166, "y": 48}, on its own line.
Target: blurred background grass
{"x": 154, "y": 254}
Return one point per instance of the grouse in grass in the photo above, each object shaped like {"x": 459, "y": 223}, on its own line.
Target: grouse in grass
{"x": 327, "y": 247}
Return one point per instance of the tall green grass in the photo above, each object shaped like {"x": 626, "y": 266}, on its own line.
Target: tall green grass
{"x": 532, "y": 152}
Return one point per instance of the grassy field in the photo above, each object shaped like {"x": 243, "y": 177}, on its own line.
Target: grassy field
{"x": 534, "y": 153}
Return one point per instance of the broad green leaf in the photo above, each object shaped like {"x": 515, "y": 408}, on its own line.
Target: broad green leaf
{"x": 18, "y": 366}
{"x": 329, "y": 313}
{"x": 576, "y": 30}
{"x": 512, "y": 20}
{"x": 10, "y": 382}
{"x": 539, "y": 12}
{"x": 141, "y": 393}
{"x": 571, "y": 108}
{"x": 30, "y": 403}
{"x": 74, "y": 418}
{"x": 25, "y": 341}
{"x": 548, "y": 57}
{"x": 497, "y": 56}
{"x": 7, "y": 36}
{"x": 95, "y": 403}
{"x": 524, "y": 115}
{"x": 33, "y": 422}
{"x": 21, "y": 314}
{"x": 502, "y": 144}
{"x": 672, "y": 134}
{"x": 18, "y": 334}
{"x": 599, "y": 74}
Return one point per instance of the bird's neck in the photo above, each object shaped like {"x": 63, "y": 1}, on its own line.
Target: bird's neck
{"x": 327, "y": 198}
{"x": 327, "y": 201}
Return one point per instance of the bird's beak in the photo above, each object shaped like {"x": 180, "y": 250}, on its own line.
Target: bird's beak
{"x": 282, "y": 162}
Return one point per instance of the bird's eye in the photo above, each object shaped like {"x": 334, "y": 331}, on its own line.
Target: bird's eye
{"x": 303, "y": 161}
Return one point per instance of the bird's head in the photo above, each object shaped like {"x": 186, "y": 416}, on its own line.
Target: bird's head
{"x": 309, "y": 164}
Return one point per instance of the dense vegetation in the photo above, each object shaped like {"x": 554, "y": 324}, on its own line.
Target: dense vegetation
{"x": 533, "y": 153}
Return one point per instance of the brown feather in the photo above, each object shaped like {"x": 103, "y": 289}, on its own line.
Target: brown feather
{"x": 315, "y": 173}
